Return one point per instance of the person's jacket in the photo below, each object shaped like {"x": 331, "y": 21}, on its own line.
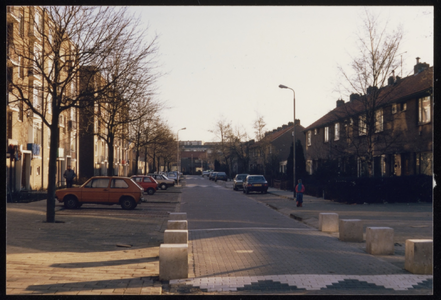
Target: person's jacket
{"x": 301, "y": 191}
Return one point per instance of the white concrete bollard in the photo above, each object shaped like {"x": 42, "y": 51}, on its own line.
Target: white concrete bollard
{"x": 175, "y": 236}
{"x": 328, "y": 222}
{"x": 177, "y": 216}
{"x": 351, "y": 230}
{"x": 177, "y": 224}
{"x": 173, "y": 261}
{"x": 418, "y": 256}
{"x": 380, "y": 240}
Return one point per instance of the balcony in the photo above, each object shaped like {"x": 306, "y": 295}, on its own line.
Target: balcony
{"x": 35, "y": 148}
{"x": 13, "y": 15}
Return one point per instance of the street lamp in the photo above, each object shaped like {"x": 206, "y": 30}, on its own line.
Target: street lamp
{"x": 293, "y": 141}
{"x": 178, "y": 163}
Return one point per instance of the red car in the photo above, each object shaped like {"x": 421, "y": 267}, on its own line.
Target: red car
{"x": 148, "y": 183}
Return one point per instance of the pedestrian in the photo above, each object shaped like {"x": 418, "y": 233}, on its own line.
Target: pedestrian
{"x": 300, "y": 189}
{"x": 69, "y": 174}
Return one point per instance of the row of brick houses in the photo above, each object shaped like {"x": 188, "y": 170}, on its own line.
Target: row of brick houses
{"x": 27, "y": 136}
{"x": 402, "y": 136}
{"x": 400, "y": 143}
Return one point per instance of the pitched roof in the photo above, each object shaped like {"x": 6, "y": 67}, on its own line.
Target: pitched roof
{"x": 404, "y": 88}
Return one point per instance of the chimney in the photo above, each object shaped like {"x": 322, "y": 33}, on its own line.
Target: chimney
{"x": 391, "y": 79}
{"x": 419, "y": 67}
{"x": 371, "y": 89}
{"x": 353, "y": 97}
{"x": 297, "y": 122}
{"x": 340, "y": 102}
{"x": 290, "y": 123}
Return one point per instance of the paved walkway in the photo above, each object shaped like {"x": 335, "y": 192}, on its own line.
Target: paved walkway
{"x": 114, "y": 252}
{"x": 301, "y": 259}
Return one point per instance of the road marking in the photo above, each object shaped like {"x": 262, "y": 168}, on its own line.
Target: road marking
{"x": 252, "y": 228}
{"x": 400, "y": 282}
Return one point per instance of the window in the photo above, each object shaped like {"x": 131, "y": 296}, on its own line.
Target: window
{"x": 362, "y": 125}
{"x": 424, "y": 163}
{"x": 37, "y": 133}
{"x": 404, "y": 107}
{"x": 21, "y": 26}
{"x": 379, "y": 120}
{"x": 309, "y": 138}
{"x": 309, "y": 167}
{"x": 336, "y": 131}
{"x": 119, "y": 184}
{"x": 394, "y": 108}
{"x": 424, "y": 110}
{"x": 20, "y": 67}
{"x": 48, "y": 138}
{"x": 315, "y": 131}
{"x": 326, "y": 134}
{"x": 146, "y": 179}
{"x": 98, "y": 183}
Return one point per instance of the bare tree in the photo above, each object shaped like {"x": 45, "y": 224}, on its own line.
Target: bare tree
{"x": 367, "y": 82}
{"x": 224, "y": 134}
{"x": 72, "y": 37}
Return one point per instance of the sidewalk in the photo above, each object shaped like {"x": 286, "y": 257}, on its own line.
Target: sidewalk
{"x": 409, "y": 220}
{"x": 95, "y": 250}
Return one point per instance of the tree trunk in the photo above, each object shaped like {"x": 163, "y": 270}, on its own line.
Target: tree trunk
{"x": 110, "y": 141}
{"x": 53, "y": 153}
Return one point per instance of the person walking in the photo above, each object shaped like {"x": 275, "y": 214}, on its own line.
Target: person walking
{"x": 69, "y": 174}
{"x": 300, "y": 189}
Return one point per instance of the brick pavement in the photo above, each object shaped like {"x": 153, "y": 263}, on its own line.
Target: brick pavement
{"x": 95, "y": 250}
{"x": 298, "y": 260}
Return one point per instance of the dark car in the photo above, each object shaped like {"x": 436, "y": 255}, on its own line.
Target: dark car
{"x": 255, "y": 183}
{"x": 220, "y": 176}
{"x": 238, "y": 181}
{"x": 212, "y": 175}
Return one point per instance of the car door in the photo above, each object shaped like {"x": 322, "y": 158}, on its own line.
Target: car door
{"x": 96, "y": 190}
{"x": 118, "y": 188}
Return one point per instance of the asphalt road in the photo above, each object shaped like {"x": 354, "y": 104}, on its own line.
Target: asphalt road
{"x": 240, "y": 245}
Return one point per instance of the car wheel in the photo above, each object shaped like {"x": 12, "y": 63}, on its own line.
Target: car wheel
{"x": 128, "y": 203}
{"x": 70, "y": 202}
{"x": 247, "y": 192}
{"x": 150, "y": 191}
{"x": 235, "y": 188}
{"x": 163, "y": 186}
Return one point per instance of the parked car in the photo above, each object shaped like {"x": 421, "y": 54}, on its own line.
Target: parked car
{"x": 238, "y": 181}
{"x": 163, "y": 181}
{"x": 205, "y": 173}
{"x": 148, "y": 183}
{"x": 102, "y": 190}
{"x": 173, "y": 175}
{"x": 212, "y": 175}
{"x": 220, "y": 176}
{"x": 255, "y": 183}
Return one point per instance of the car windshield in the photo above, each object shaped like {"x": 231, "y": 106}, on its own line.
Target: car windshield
{"x": 221, "y": 173}
{"x": 241, "y": 177}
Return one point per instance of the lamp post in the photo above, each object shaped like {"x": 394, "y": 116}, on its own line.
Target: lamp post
{"x": 293, "y": 141}
{"x": 178, "y": 163}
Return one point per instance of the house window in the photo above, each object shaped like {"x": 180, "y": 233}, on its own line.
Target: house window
{"x": 37, "y": 133}
{"x": 336, "y": 131}
{"x": 404, "y": 107}
{"x": 309, "y": 167}
{"x": 48, "y": 138}
{"x": 309, "y": 138}
{"x": 424, "y": 163}
{"x": 362, "y": 125}
{"x": 394, "y": 108}
{"x": 424, "y": 110}
{"x": 326, "y": 134}
{"x": 315, "y": 131}
{"x": 379, "y": 120}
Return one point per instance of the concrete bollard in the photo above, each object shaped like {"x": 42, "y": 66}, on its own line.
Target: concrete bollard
{"x": 177, "y": 224}
{"x": 173, "y": 261}
{"x": 175, "y": 236}
{"x": 351, "y": 230}
{"x": 328, "y": 222}
{"x": 418, "y": 256}
{"x": 380, "y": 240}
{"x": 177, "y": 216}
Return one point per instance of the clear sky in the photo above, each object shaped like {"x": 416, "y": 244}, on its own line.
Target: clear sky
{"x": 226, "y": 62}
